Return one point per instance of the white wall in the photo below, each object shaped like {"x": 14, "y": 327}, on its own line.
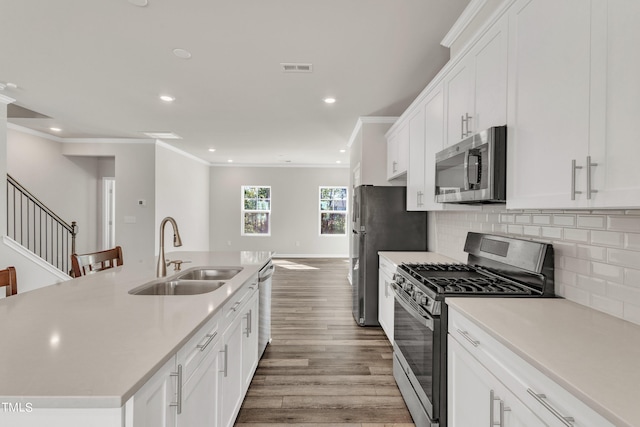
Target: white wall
{"x": 597, "y": 253}
{"x": 67, "y": 185}
{"x": 3, "y": 167}
{"x": 135, "y": 180}
{"x": 295, "y": 211}
{"x": 182, "y": 192}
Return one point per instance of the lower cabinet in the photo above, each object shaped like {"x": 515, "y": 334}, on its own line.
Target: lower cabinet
{"x": 204, "y": 384}
{"x": 386, "y": 271}
{"x": 489, "y": 382}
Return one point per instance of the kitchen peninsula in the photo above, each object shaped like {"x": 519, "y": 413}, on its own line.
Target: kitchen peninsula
{"x": 79, "y": 352}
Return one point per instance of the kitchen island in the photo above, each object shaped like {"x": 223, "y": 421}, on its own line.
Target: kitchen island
{"x": 76, "y": 352}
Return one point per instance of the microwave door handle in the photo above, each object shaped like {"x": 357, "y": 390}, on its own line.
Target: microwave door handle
{"x": 467, "y": 185}
{"x": 472, "y": 169}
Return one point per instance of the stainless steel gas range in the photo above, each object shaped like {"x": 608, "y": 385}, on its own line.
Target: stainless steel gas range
{"x": 497, "y": 266}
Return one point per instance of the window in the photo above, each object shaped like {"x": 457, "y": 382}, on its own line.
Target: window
{"x": 256, "y": 210}
{"x": 333, "y": 211}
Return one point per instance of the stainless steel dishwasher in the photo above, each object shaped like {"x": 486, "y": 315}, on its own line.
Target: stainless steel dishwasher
{"x": 264, "y": 310}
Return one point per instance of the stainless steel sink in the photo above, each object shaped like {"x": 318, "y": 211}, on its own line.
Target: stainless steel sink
{"x": 194, "y": 281}
{"x": 209, "y": 273}
{"x": 178, "y": 287}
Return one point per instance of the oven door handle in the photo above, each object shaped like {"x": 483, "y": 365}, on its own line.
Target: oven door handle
{"x": 412, "y": 308}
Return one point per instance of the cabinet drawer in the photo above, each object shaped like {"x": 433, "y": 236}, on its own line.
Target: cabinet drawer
{"x": 388, "y": 267}
{"x": 232, "y": 307}
{"x": 197, "y": 348}
{"x": 547, "y": 399}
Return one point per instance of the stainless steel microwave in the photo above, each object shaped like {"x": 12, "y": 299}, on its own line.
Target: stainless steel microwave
{"x": 474, "y": 170}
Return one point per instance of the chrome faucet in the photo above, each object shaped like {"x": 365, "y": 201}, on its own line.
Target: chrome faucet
{"x": 161, "y": 270}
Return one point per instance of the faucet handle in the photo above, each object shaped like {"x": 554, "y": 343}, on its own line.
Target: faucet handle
{"x": 177, "y": 263}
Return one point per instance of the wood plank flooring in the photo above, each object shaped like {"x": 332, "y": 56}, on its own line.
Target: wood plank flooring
{"x": 321, "y": 369}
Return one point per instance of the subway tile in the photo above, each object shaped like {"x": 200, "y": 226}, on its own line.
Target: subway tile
{"x": 507, "y": 218}
{"x": 564, "y": 220}
{"x": 552, "y": 232}
{"x": 607, "y": 271}
{"x": 529, "y": 230}
{"x": 515, "y": 230}
{"x": 632, "y": 241}
{"x": 500, "y": 228}
{"x": 607, "y": 212}
{"x": 591, "y": 221}
{"x": 607, "y": 238}
{"x": 597, "y": 253}
{"x": 574, "y": 294}
{"x": 565, "y": 277}
{"x": 607, "y": 305}
{"x": 632, "y": 212}
{"x": 632, "y": 277}
{"x": 564, "y": 249}
{"x": 576, "y": 265}
{"x": 541, "y": 219}
{"x": 523, "y": 219}
{"x": 623, "y": 258}
{"x": 591, "y": 284}
{"x": 631, "y": 312}
{"x": 623, "y": 293}
{"x": 576, "y": 234}
{"x": 630, "y": 224}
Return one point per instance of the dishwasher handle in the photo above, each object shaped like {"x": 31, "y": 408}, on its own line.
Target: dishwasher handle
{"x": 266, "y": 272}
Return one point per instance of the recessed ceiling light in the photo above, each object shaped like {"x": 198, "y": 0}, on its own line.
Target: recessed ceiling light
{"x": 141, "y": 3}
{"x": 182, "y": 53}
{"x": 12, "y": 85}
{"x": 338, "y": 161}
{"x": 167, "y": 98}
{"x": 329, "y": 100}
{"x": 212, "y": 149}
{"x": 229, "y": 161}
{"x": 343, "y": 151}
{"x": 56, "y": 129}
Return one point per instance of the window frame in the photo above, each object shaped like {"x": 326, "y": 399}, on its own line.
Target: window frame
{"x": 243, "y": 211}
{"x": 345, "y": 212}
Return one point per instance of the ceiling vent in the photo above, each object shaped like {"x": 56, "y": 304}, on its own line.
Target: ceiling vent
{"x": 292, "y": 67}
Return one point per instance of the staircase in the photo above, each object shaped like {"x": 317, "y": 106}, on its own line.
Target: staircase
{"x": 37, "y": 228}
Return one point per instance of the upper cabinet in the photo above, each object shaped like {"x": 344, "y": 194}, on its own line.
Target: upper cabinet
{"x": 398, "y": 152}
{"x": 573, "y": 92}
{"x": 416, "y": 197}
{"x": 476, "y": 87}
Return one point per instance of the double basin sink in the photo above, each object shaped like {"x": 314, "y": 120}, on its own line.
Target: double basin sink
{"x": 197, "y": 280}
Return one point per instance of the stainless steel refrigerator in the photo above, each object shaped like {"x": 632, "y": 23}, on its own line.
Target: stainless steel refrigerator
{"x": 380, "y": 222}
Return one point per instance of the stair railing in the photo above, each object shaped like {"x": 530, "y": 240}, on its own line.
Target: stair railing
{"x": 36, "y": 227}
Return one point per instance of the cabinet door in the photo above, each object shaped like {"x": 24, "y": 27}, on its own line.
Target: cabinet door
{"x": 615, "y": 105}
{"x": 459, "y": 86}
{"x": 392, "y": 155}
{"x": 415, "y": 170}
{"x": 200, "y": 393}
{"x": 434, "y": 122}
{"x": 490, "y": 59}
{"x": 476, "y": 398}
{"x": 249, "y": 319}
{"x": 385, "y": 302}
{"x": 154, "y": 403}
{"x": 231, "y": 373}
{"x": 548, "y": 114}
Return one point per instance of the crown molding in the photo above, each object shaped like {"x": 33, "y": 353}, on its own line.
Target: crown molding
{"x": 462, "y": 22}
{"x": 369, "y": 120}
{"x": 190, "y": 156}
{"x": 278, "y": 165}
{"x": 34, "y": 132}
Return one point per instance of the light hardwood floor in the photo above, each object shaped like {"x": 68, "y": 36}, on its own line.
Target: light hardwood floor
{"x": 321, "y": 369}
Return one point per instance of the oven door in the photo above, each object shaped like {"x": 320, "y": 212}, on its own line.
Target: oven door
{"x": 417, "y": 348}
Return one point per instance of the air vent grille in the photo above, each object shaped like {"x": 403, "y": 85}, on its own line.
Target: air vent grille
{"x": 293, "y": 67}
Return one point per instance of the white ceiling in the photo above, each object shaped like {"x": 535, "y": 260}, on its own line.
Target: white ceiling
{"x": 97, "y": 68}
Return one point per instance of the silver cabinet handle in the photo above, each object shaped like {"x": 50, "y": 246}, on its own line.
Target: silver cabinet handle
{"x": 224, "y": 370}
{"x": 394, "y": 164}
{"x": 248, "y": 329}
{"x": 178, "y": 403}
{"x": 465, "y": 334}
{"x": 420, "y": 194}
{"x": 235, "y": 306}
{"x": 589, "y": 166}
{"x": 209, "y": 338}
{"x": 574, "y": 167}
{"x": 386, "y": 289}
{"x": 503, "y": 409}
{"x": 461, "y": 127}
{"x": 467, "y": 119}
{"x": 540, "y": 397}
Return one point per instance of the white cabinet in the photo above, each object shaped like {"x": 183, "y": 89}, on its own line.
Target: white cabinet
{"x": 386, "y": 270}
{"x": 398, "y": 152}
{"x": 478, "y": 398}
{"x": 416, "y": 197}
{"x": 573, "y": 92}
{"x": 249, "y": 340}
{"x": 476, "y": 87}
{"x": 200, "y": 392}
{"x": 478, "y": 363}
{"x": 154, "y": 405}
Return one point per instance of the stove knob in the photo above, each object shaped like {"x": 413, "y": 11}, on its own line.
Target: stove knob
{"x": 423, "y": 300}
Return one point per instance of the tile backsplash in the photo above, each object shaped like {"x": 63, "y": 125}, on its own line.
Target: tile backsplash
{"x": 597, "y": 253}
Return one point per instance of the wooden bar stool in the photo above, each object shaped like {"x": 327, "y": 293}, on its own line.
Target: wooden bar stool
{"x": 8, "y": 280}
{"x": 96, "y": 261}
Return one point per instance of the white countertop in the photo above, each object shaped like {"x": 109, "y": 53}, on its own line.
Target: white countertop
{"x": 88, "y": 343}
{"x": 397, "y": 257}
{"x": 591, "y": 354}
